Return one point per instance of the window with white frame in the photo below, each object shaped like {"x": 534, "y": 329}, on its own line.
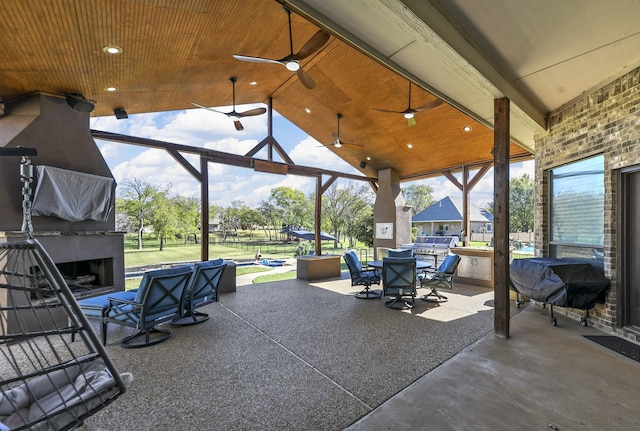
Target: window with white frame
{"x": 576, "y": 217}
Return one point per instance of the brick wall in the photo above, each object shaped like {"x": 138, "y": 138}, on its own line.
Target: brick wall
{"x": 606, "y": 121}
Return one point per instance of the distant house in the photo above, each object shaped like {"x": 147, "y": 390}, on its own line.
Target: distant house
{"x": 445, "y": 218}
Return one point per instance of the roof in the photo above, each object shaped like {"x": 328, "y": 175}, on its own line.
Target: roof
{"x": 540, "y": 54}
{"x": 450, "y": 209}
{"x": 305, "y": 234}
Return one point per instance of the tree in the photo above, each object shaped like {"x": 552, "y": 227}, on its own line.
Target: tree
{"x": 164, "y": 216}
{"x": 363, "y": 229}
{"x": 188, "y": 220}
{"x": 296, "y": 209}
{"x": 343, "y": 206}
{"x": 286, "y": 207}
{"x": 521, "y": 203}
{"x": 419, "y": 197}
{"x": 138, "y": 196}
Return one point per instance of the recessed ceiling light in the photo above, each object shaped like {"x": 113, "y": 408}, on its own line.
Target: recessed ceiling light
{"x": 253, "y": 83}
{"x": 110, "y": 89}
{"x": 409, "y": 146}
{"x": 307, "y": 110}
{"x": 368, "y": 158}
{"x": 466, "y": 128}
{"x": 110, "y": 49}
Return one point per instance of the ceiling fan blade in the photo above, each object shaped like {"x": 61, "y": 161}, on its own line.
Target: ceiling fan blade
{"x": 429, "y": 105}
{"x": 305, "y": 79}
{"x": 345, "y": 144}
{"x": 238, "y": 125}
{"x": 256, "y": 59}
{"x": 386, "y": 110}
{"x": 252, "y": 112}
{"x": 315, "y": 43}
{"x": 208, "y": 109}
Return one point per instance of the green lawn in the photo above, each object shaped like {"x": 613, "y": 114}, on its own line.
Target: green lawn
{"x": 177, "y": 251}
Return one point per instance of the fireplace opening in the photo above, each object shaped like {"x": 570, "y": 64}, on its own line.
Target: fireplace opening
{"x": 86, "y": 277}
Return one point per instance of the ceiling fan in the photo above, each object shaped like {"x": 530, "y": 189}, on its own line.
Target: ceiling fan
{"x": 291, "y": 61}
{"x": 410, "y": 112}
{"x": 235, "y": 116}
{"x": 337, "y": 142}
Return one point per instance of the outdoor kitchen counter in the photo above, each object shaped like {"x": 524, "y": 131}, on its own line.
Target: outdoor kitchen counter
{"x": 318, "y": 267}
{"x": 476, "y": 265}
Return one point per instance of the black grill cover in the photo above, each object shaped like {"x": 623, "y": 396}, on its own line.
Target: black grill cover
{"x": 574, "y": 283}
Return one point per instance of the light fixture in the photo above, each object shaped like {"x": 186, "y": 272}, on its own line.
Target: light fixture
{"x": 337, "y": 143}
{"x": 253, "y": 83}
{"x": 110, "y": 89}
{"x": 79, "y": 103}
{"x": 307, "y": 110}
{"x": 409, "y": 146}
{"x": 120, "y": 113}
{"x": 113, "y": 50}
{"x": 466, "y": 128}
{"x": 408, "y": 115}
{"x": 368, "y": 158}
{"x": 292, "y": 65}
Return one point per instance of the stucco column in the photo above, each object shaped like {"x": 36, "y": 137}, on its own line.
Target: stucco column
{"x": 391, "y": 217}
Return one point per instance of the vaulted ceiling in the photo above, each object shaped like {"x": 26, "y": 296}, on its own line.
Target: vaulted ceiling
{"x": 540, "y": 55}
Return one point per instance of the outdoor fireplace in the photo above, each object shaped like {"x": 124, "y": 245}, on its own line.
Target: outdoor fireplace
{"x": 87, "y": 250}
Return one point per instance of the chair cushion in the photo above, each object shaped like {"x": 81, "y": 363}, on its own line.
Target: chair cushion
{"x": 158, "y": 273}
{"x": 448, "y": 264}
{"x": 400, "y": 253}
{"x": 97, "y": 305}
{"x": 352, "y": 261}
{"x": 201, "y": 282}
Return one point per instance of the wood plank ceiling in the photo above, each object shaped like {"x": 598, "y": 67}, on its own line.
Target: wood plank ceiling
{"x": 176, "y": 52}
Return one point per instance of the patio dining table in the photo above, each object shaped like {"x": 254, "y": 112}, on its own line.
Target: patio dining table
{"x": 420, "y": 264}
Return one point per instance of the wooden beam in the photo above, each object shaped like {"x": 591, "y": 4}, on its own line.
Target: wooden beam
{"x": 328, "y": 183}
{"x": 449, "y": 175}
{"x": 501, "y": 217}
{"x": 220, "y": 156}
{"x": 185, "y": 164}
{"x": 478, "y": 176}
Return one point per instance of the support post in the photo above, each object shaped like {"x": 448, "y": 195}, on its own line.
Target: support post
{"x": 501, "y": 140}
{"x": 318, "y": 223}
{"x": 204, "y": 208}
{"x": 466, "y": 223}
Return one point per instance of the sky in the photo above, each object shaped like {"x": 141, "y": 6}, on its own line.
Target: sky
{"x": 207, "y": 129}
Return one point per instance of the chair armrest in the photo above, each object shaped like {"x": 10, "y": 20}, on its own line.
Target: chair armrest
{"x": 116, "y": 303}
{"x": 122, "y": 301}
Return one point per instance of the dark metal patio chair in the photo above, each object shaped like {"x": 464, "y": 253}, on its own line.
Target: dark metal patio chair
{"x": 362, "y": 276}
{"x": 399, "y": 281}
{"x": 440, "y": 278}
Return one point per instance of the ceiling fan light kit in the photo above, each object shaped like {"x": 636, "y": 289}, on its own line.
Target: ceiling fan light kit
{"x": 235, "y": 116}
{"x": 410, "y": 112}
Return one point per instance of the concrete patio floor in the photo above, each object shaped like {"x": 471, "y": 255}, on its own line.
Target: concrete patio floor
{"x": 294, "y": 355}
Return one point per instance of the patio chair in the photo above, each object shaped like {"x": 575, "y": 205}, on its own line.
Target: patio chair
{"x": 399, "y": 281}
{"x": 201, "y": 290}
{"x": 158, "y": 299}
{"x": 362, "y": 277}
{"x": 440, "y": 278}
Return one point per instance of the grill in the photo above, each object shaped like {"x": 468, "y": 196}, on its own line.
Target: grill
{"x": 433, "y": 248}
